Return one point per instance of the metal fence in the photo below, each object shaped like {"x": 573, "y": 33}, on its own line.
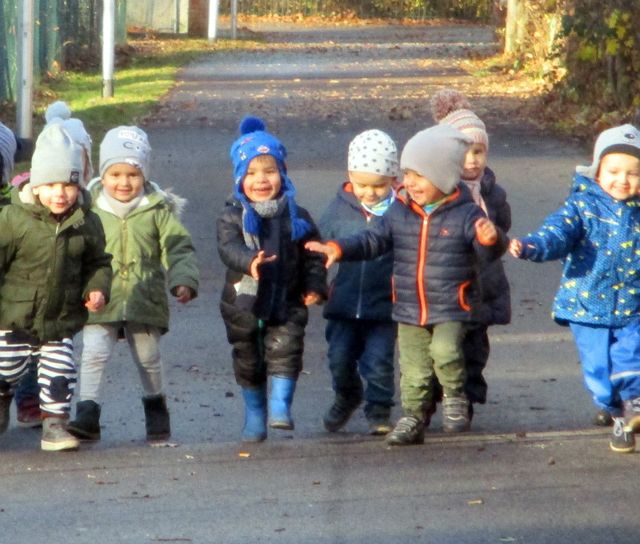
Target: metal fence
{"x": 66, "y": 31}
{"x": 399, "y": 9}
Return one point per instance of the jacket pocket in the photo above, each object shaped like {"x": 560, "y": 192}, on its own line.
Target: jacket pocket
{"x": 462, "y": 296}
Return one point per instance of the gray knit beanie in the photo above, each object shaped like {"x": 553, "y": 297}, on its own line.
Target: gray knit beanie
{"x": 56, "y": 158}
{"x": 125, "y": 144}
{"x": 8, "y": 146}
{"x": 620, "y": 139}
{"x": 373, "y": 152}
{"x": 437, "y": 153}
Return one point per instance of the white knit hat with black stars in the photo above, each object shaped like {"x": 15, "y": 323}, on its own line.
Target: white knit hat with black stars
{"x": 374, "y": 152}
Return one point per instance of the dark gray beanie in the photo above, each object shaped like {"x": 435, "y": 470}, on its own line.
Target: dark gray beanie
{"x": 437, "y": 154}
{"x": 56, "y": 158}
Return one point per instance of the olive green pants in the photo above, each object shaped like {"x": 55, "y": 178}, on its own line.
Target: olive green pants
{"x": 425, "y": 352}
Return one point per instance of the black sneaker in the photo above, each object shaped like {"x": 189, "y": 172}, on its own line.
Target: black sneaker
{"x": 602, "y": 418}
{"x": 409, "y": 430}
{"x": 338, "y": 414}
{"x": 622, "y": 438}
{"x": 455, "y": 414}
{"x": 632, "y": 414}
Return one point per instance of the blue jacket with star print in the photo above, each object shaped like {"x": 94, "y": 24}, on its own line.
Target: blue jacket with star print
{"x": 599, "y": 239}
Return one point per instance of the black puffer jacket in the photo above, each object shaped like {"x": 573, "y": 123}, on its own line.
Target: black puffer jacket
{"x": 435, "y": 257}
{"x": 495, "y": 308}
{"x": 360, "y": 290}
{"x": 301, "y": 271}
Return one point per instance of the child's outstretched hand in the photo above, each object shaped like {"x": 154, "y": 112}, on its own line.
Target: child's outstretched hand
{"x": 486, "y": 232}
{"x": 259, "y": 260}
{"x": 328, "y": 249}
{"x": 95, "y": 302}
{"x": 183, "y": 294}
{"x": 515, "y": 247}
{"x": 311, "y": 298}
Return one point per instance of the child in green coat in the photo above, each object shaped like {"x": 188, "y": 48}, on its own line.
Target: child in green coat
{"x": 53, "y": 268}
{"x": 151, "y": 249}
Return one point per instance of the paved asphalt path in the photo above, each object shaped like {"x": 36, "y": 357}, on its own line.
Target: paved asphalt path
{"x": 532, "y": 470}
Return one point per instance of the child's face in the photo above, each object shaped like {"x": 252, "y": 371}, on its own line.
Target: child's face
{"x": 57, "y": 196}
{"x": 123, "y": 181}
{"x": 420, "y": 189}
{"x": 619, "y": 175}
{"x": 475, "y": 161}
{"x": 262, "y": 181}
{"x": 370, "y": 188}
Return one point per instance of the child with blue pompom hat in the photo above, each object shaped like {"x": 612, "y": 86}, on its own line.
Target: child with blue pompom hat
{"x": 270, "y": 278}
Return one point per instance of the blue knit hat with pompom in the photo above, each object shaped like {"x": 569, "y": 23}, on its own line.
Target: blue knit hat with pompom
{"x": 254, "y": 141}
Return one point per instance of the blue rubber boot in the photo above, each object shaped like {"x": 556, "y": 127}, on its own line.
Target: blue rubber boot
{"x": 255, "y": 414}
{"x": 280, "y": 400}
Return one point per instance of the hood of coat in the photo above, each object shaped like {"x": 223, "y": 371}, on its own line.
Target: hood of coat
{"x": 22, "y": 195}
{"x": 154, "y": 195}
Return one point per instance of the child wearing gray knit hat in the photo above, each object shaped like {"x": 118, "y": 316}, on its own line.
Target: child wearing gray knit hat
{"x": 54, "y": 271}
{"x": 436, "y": 234}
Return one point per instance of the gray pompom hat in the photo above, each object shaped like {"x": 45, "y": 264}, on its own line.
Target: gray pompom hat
{"x": 56, "y": 158}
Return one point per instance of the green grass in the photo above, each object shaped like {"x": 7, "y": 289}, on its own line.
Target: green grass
{"x": 150, "y": 72}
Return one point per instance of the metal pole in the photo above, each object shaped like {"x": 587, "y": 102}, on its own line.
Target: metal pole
{"x": 234, "y": 19}
{"x": 25, "y": 71}
{"x": 212, "y": 32}
{"x": 176, "y": 27}
{"x": 108, "y": 46}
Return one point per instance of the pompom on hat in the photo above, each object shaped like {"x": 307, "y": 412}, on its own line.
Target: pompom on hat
{"x": 59, "y": 112}
{"x": 621, "y": 139}
{"x": 450, "y": 107}
{"x": 374, "y": 152}
{"x": 437, "y": 154}
{"x": 255, "y": 141}
{"x": 56, "y": 158}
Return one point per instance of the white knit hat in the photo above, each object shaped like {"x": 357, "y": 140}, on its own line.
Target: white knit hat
{"x": 56, "y": 158}
{"x": 620, "y": 139}
{"x": 8, "y": 146}
{"x": 373, "y": 152}
{"x": 437, "y": 154}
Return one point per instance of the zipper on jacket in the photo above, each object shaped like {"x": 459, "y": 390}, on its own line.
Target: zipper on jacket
{"x": 360, "y": 284}
{"x": 422, "y": 263}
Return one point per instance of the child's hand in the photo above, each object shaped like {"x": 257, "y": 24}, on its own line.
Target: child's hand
{"x": 328, "y": 249}
{"x": 515, "y": 247}
{"x": 95, "y": 302}
{"x": 486, "y": 232}
{"x": 183, "y": 294}
{"x": 259, "y": 260}
{"x": 312, "y": 298}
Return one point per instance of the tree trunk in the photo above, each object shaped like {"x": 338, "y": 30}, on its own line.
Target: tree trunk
{"x": 198, "y": 18}
{"x": 515, "y": 27}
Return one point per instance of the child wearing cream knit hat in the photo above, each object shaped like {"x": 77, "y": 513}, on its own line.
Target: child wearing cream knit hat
{"x": 450, "y": 107}
{"x": 360, "y": 332}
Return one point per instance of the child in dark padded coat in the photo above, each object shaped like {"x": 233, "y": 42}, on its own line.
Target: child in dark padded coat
{"x": 360, "y": 332}
{"x": 452, "y": 108}
{"x": 270, "y": 278}
{"x": 436, "y": 233}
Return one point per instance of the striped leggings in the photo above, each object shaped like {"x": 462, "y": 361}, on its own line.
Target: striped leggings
{"x": 56, "y": 370}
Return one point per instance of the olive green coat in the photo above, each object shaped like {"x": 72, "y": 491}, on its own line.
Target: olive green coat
{"x": 152, "y": 252}
{"x": 49, "y": 267}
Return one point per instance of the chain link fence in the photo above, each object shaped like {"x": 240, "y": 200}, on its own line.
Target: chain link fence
{"x": 66, "y": 34}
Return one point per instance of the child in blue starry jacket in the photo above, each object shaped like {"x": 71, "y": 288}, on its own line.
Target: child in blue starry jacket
{"x": 360, "y": 332}
{"x": 597, "y": 233}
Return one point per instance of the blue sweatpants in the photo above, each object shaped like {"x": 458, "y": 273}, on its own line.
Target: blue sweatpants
{"x": 610, "y": 359}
